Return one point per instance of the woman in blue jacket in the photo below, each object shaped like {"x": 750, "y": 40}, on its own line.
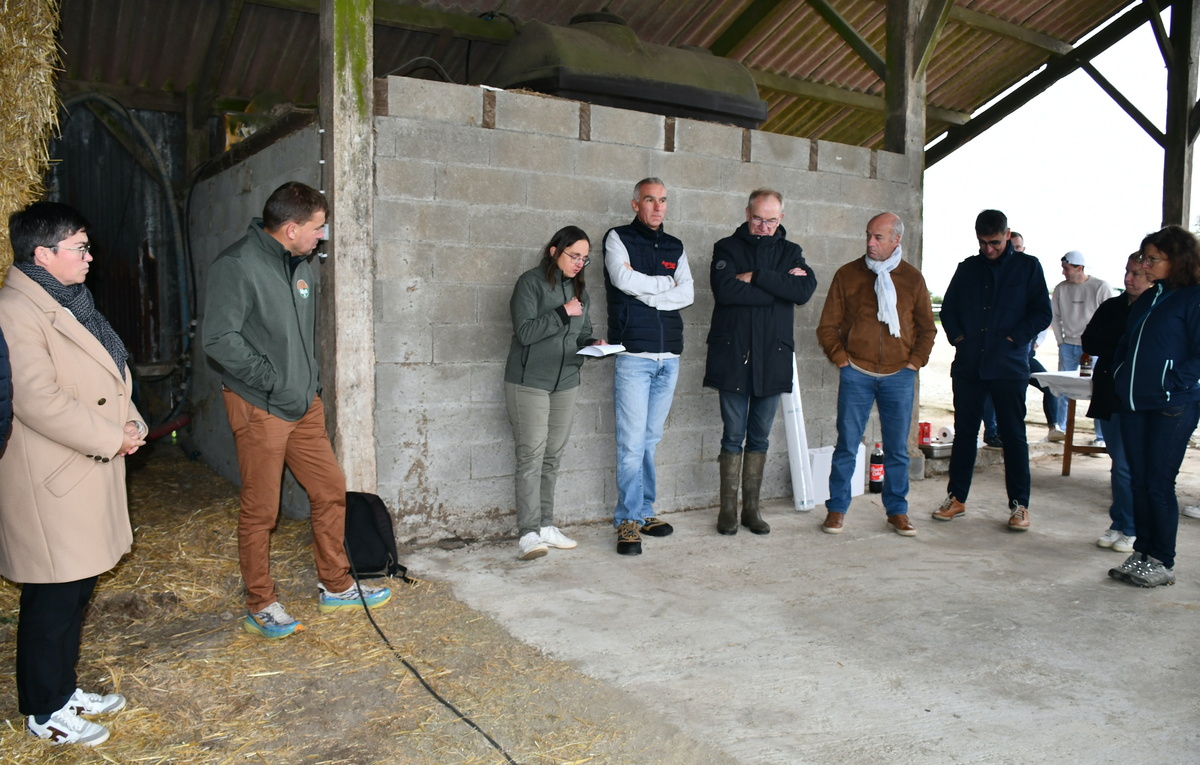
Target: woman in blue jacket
{"x": 549, "y": 309}
{"x": 1156, "y": 376}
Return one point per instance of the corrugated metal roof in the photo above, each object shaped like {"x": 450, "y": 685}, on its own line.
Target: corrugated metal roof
{"x": 161, "y": 45}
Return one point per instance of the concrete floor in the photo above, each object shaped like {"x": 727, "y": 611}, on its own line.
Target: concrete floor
{"x": 965, "y": 644}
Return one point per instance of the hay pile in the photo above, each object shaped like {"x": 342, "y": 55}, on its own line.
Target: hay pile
{"x": 28, "y": 105}
{"x": 163, "y": 629}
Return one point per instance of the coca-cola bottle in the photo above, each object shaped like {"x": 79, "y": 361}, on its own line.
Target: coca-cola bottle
{"x": 876, "y": 483}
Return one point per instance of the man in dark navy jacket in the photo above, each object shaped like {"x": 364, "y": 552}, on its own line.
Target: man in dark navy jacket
{"x": 647, "y": 281}
{"x": 995, "y": 306}
{"x": 758, "y": 278}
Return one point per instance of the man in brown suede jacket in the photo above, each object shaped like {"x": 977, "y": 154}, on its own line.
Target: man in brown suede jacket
{"x": 877, "y": 327}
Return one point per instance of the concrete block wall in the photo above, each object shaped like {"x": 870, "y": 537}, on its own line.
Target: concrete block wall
{"x": 470, "y": 184}
{"x": 220, "y": 211}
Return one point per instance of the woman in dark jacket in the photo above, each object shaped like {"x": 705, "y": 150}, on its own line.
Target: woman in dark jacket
{"x": 1100, "y": 340}
{"x": 549, "y": 309}
{"x": 1156, "y": 375}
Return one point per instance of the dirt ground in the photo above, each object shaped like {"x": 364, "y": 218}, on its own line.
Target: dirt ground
{"x": 163, "y": 630}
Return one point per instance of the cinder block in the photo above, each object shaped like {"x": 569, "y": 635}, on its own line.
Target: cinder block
{"x": 440, "y": 142}
{"x": 549, "y": 155}
{"x": 708, "y": 206}
{"x": 686, "y": 173}
{"x": 478, "y": 263}
{"x": 627, "y": 128}
{"x": 508, "y": 226}
{"x": 435, "y": 101}
{"x": 892, "y": 167}
{"x": 470, "y": 343}
{"x": 412, "y": 221}
{"x": 777, "y": 149}
{"x": 492, "y": 460}
{"x": 709, "y": 139}
{"x": 843, "y": 159}
{"x": 531, "y": 113}
{"x": 403, "y": 344}
{"x": 405, "y": 179}
{"x": 418, "y": 303}
{"x": 487, "y": 381}
{"x": 598, "y": 160}
{"x": 399, "y": 260}
{"x": 483, "y": 185}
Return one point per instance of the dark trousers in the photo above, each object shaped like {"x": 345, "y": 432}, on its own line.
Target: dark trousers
{"x": 1155, "y": 443}
{"x": 1008, "y": 396}
{"x": 48, "y": 630}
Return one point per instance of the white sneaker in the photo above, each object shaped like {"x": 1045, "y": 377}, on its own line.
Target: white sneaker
{"x": 1108, "y": 537}
{"x": 1123, "y": 544}
{"x": 531, "y": 546}
{"x": 66, "y": 727}
{"x": 1056, "y": 436}
{"x": 1191, "y": 511}
{"x": 84, "y": 703}
{"x": 555, "y": 538}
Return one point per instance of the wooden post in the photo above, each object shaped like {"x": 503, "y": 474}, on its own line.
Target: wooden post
{"x": 347, "y": 325}
{"x": 1181, "y": 95}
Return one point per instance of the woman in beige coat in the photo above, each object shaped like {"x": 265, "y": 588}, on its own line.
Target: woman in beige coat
{"x": 63, "y": 513}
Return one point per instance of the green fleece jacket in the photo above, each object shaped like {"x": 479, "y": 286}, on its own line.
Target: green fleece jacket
{"x": 259, "y": 321}
{"x": 545, "y": 342}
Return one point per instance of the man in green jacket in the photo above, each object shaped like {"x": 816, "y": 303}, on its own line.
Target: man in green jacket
{"x": 259, "y": 322}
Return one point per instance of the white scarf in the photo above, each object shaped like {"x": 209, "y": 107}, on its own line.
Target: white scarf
{"x": 885, "y": 290}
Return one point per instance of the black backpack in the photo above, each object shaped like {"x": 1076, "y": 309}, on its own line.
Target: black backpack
{"x": 370, "y": 541}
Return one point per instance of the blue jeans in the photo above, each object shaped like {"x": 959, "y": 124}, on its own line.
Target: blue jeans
{"x": 748, "y": 418}
{"x": 1069, "y": 357}
{"x": 1121, "y": 510}
{"x": 894, "y": 397}
{"x": 642, "y": 394}
{"x": 1008, "y": 396}
{"x": 1155, "y": 442}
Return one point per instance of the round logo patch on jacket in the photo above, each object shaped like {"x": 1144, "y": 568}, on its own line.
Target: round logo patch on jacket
{"x": 302, "y": 288}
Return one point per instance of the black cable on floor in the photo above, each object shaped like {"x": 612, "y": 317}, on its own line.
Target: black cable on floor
{"x": 362, "y": 598}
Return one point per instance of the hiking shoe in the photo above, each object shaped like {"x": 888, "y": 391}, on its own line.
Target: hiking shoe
{"x": 653, "y": 527}
{"x": 352, "y": 598}
{"x": 531, "y": 546}
{"x": 1121, "y": 572}
{"x": 84, "y": 703}
{"x": 66, "y": 727}
{"x": 554, "y": 538}
{"x": 1151, "y": 573}
{"x": 1107, "y": 538}
{"x": 629, "y": 538}
{"x": 1191, "y": 511}
{"x": 1018, "y": 517}
{"x": 950, "y": 509}
{"x": 272, "y": 622}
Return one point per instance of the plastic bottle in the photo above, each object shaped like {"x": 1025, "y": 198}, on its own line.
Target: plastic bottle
{"x": 1085, "y": 366}
{"x": 876, "y": 483}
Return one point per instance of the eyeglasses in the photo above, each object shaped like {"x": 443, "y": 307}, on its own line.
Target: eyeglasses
{"x": 1148, "y": 260}
{"x": 582, "y": 260}
{"x": 82, "y": 249}
{"x": 768, "y": 222}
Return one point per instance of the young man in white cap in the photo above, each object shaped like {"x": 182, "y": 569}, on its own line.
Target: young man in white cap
{"x": 1074, "y": 301}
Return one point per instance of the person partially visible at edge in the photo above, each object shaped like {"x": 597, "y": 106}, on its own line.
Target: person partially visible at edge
{"x": 758, "y": 278}
{"x": 550, "y": 315}
{"x": 1074, "y": 301}
{"x": 64, "y": 518}
{"x": 259, "y": 325}
{"x": 877, "y": 327}
{"x": 1100, "y": 339}
{"x": 996, "y": 304}
{"x": 647, "y": 281}
{"x": 1157, "y": 365}
{"x": 5, "y": 394}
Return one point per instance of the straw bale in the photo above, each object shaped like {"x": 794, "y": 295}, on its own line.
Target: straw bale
{"x": 28, "y": 105}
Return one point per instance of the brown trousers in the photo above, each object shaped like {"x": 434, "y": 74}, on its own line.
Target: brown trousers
{"x": 264, "y": 444}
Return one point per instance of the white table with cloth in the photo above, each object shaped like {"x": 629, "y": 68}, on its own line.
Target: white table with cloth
{"x": 1075, "y": 388}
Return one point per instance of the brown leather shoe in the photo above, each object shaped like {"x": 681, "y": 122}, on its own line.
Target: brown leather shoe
{"x": 950, "y": 509}
{"x": 902, "y": 525}
{"x": 1019, "y": 519}
{"x": 833, "y": 523}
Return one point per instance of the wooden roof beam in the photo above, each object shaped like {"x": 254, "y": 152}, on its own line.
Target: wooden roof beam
{"x": 933, "y": 20}
{"x": 1006, "y": 29}
{"x": 841, "y": 97}
{"x": 742, "y": 27}
{"x": 851, "y": 36}
{"x": 1123, "y": 102}
{"x": 1053, "y": 72}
